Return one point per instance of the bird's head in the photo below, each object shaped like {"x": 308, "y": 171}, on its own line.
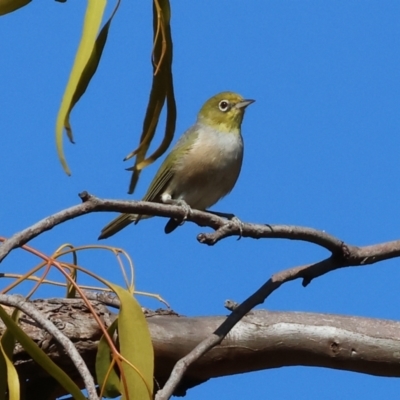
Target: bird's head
{"x": 224, "y": 112}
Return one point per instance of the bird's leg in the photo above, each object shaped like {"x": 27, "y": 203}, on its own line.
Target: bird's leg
{"x": 167, "y": 199}
{"x": 173, "y": 223}
{"x": 231, "y": 217}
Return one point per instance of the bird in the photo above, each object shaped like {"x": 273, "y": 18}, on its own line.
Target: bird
{"x": 202, "y": 167}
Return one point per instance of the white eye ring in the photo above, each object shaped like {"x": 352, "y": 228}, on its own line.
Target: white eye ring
{"x": 224, "y": 105}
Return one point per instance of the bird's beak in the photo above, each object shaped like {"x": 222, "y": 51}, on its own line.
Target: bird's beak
{"x": 244, "y": 103}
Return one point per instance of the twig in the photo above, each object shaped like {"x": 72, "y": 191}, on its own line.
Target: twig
{"x": 107, "y": 298}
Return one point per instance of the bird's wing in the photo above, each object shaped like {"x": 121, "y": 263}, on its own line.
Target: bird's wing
{"x": 159, "y": 183}
{"x": 168, "y": 167}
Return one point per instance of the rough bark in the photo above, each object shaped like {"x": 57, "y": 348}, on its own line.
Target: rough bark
{"x": 262, "y": 340}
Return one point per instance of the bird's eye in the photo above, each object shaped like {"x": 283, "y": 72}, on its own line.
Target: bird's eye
{"x": 224, "y": 105}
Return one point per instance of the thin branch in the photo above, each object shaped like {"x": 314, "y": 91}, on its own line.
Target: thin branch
{"x": 29, "y": 309}
{"x": 106, "y": 298}
{"x": 264, "y": 231}
{"x": 216, "y": 338}
{"x": 223, "y": 228}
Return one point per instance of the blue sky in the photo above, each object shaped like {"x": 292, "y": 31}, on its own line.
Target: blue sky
{"x": 321, "y": 150}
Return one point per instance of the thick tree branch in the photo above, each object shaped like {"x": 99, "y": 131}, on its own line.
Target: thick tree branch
{"x": 265, "y": 340}
{"x": 259, "y": 341}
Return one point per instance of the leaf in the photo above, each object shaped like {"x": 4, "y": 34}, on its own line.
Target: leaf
{"x": 162, "y": 89}
{"x": 105, "y": 366}
{"x": 8, "y": 374}
{"x": 40, "y": 356}
{"x": 86, "y": 62}
{"x": 71, "y": 290}
{"x": 12, "y": 377}
{"x": 8, "y": 6}
{"x": 165, "y": 57}
{"x": 3, "y": 377}
{"x": 135, "y": 345}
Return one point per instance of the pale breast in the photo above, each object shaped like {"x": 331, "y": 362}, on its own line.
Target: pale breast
{"x": 210, "y": 169}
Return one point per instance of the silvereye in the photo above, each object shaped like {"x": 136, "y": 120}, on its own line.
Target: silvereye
{"x": 203, "y": 166}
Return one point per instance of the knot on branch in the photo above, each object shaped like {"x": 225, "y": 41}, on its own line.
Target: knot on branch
{"x": 85, "y": 196}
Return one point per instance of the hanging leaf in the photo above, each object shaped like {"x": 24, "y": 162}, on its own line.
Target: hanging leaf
{"x": 8, "y": 6}
{"x": 161, "y": 91}
{"x": 86, "y": 62}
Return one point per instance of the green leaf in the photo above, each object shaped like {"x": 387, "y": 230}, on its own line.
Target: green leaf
{"x": 85, "y": 65}
{"x": 40, "y": 356}
{"x": 135, "y": 345}
{"x": 3, "y": 377}
{"x": 8, "y": 374}
{"x": 103, "y": 365}
{"x": 7, "y": 6}
{"x": 12, "y": 377}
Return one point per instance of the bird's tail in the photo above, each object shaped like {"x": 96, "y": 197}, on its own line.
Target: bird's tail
{"x": 117, "y": 224}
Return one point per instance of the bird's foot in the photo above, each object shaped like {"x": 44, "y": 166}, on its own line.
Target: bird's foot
{"x": 166, "y": 199}
{"x": 233, "y": 219}
{"x": 173, "y": 223}
{"x": 186, "y": 208}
